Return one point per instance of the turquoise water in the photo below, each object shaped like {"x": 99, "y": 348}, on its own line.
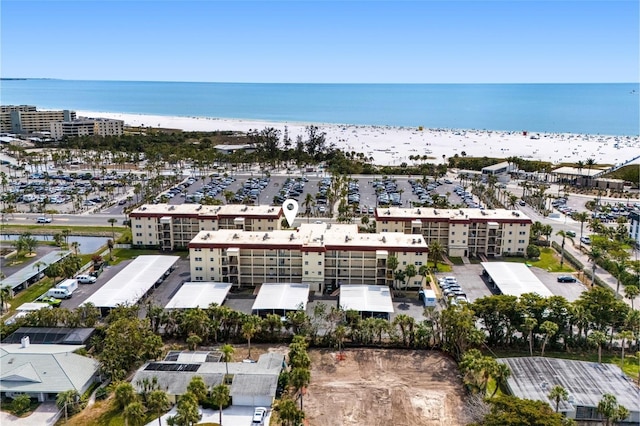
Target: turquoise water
{"x": 611, "y": 109}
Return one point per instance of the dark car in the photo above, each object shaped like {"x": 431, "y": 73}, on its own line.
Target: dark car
{"x": 566, "y": 279}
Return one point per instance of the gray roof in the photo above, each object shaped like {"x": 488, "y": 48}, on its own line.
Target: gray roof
{"x": 586, "y": 382}
{"x": 28, "y": 272}
{"x": 282, "y": 296}
{"x": 44, "y": 368}
{"x": 260, "y": 375}
{"x": 366, "y": 298}
{"x": 199, "y": 294}
{"x": 515, "y": 279}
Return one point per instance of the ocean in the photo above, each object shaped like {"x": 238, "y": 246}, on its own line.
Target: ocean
{"x": 606, "y": 109}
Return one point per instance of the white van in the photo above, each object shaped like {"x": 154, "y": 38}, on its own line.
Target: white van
{"x": 70, "y": 285}
{"x": 59, "y": 293}
{"x": 86, "y": 279}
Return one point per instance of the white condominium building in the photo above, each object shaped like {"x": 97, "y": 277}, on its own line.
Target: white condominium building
{"x": 461, "y": 232}
{"x": 26, "y": 119}
{"x": 170, "y": 227}
{"x": 87, "y": 127}
{"x": 322, "y": 255}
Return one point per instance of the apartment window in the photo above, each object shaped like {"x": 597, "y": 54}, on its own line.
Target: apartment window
{"x": 522, "y": 233}
{"x": 213, "y": 269}
{"x": 521, "y": 241}
{"x": 404, "y": 263}
{"x": 509, "y": 241}
{"x": 464, "y": 233}
{"x": 198, "y": 259}
{"x": 319, "y": 263}
{"x": 418, "y": 263}
{"x": 138, "y": 226}
{"x": 138, "y": 234}
{"x": 306, "y": 262}
{"x": 319, "y": 272}
{"x": 211, "y": 259}
{"x": 452, "y": 241}
{"x": 150, "y": 234}
{"x": 198, "y": 278}
{"x": 197, "y": 249}
{"x": 453, "y": 233}
{"x": 510, "y": 232}
{"x": 198, "y": 268}
{"x": 306, "y": 272}
{"x": 464, "y": 241}
{"x": 139, "y": 242}
{"x": 149, "y": 226}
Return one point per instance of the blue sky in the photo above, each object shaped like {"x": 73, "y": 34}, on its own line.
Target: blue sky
{"x": 516, "y": 41}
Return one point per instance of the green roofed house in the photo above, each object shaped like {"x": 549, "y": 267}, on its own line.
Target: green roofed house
{"x": 43, "y": 371}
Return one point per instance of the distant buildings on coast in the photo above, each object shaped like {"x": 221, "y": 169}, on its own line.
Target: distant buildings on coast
{"x": 27, "y": 120}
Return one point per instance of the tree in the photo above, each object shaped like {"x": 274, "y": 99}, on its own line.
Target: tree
{"x": 557, "y": 394}
{"x": 533, "y": 252}
{"x": 227, "y": 354}
{"x": 436, "y": 249}
{"x": 392, "y": 264}
{"x": 564, "y": 235}
{"x": 113, "y": 221}
{"x": 513, "y": 411}
{"x": 581, "y": 217}
{"x": 187, "y": 412}
{"x": 500, "y": 375}
{"x": 21, "y": 404}
{"x": 299, "y": 378}
{"x": 124, "y": 394}
{"x": 250, "y": 327}
{"x": 6, "y": 294}
{"x": 611, "y": 410}
{"x": 625, "y": 336}
{"x": 289, "y": 413}
{"x": 598, "y": 338}
{"x": 527, "y": 327}
{"x": 158, "y": 402}
{"x": 110, "y": 245}
{"x": 410, "y": 272}
{"x": 594, "y": 256}
{"x": 134, "y": 414}
{"x": 68, "y": 401}
{"x": 631, "y": 292}
{"x": 197, "y": 387}
{"x": 220, "y": 397}
{"x": 550, "y": 329}
{"x": 193, "y": 341}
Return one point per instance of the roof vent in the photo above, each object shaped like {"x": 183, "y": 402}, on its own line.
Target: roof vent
{"x": 419, "y": 212}
{"x": 292, "y": 236}
{"x": 435, "y": 211}
{"x": 244, "y": 209}
{"x": 236, "y": 236}
{"x": 265, "y": 237}
{"x": 384, "y": 239}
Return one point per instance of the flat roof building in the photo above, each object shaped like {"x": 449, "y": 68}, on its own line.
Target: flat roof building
{"x": 87, "y": 127}
{"x": 199, "y": 295}
{"x": 28, "y": 275}
{"x": 514, "y": 279}
{"x": 369, "y": 300}
{"x": 27, "y": 119}
{"x": 462, "y": 232}
{"x": 280, "y": 298}
{"x": 133, "y": 283}
{"x": 169, "y": 227}
{"x": 322, "y": 255}
{"x": 586, "y": 382}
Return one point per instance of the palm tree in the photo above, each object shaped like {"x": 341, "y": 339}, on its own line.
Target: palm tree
{"x": 598, "y": 338}
{"x": 113, "y": 221}
{"x": 625, "y": 336}
{"x": 500, "y": 375}
{"x": 550, "y": 329}
{"x": 611, "y": 410}
{"x": 595, "y": 255}
{"x": 158, "y": 402}
{"x": 581, "y": 217}
{"x": 249, "y": 329}
{"x": 227, "y": 353}
{"x": 6, "y": 294}
{"x": 308, "y": 204}
{"x": 631, "y": 292}
{"x": 436, "y": 250}
{"x": 423, "y": 270}
{"x": 220, "y": 397}
{"x": 134, "y": 414}
{"x": 410, "y": 272}
{"x": 564, "y": 235}
{"x": 528, "y": 326}
{"x": 557, "y": 394}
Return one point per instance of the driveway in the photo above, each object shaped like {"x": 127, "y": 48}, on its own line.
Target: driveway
{"x": 46, "y": 414}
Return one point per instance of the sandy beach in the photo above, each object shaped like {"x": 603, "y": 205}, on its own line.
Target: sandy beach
{"x": 394, "y": 145}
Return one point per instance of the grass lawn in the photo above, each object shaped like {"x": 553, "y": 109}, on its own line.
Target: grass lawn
{"x": 549, "y": 260}
{"x": 125, "y": 254}
{"x": 102, "y": 413}
{"x": 31, "y": 293}
{"x": 456, "y": 261}
{"x": 49, "y": 229}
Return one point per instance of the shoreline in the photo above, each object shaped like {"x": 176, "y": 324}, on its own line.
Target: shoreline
{"x": 391, "y": 145}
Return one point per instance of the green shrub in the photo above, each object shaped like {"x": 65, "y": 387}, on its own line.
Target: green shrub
{"x": 20, "y": 404}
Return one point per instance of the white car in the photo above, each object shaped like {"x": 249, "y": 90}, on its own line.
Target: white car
{"x": 43, "y": 220}
{"x": 259, "y": 414}
{"x": 86, "y": 279}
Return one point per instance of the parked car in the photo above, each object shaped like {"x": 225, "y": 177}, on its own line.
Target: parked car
{"x": 259, "y": 414}
{"x": 43, "y": 219}
{"x": 586, "y": 240}
{"x": 50, "y": 300}
{"x": 566, "y": 279}
{"x": 86, "y": 279}
{"x": 571, "y": 234}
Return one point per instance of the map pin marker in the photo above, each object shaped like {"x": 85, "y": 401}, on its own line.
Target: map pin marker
{"x": 290, "y": 209}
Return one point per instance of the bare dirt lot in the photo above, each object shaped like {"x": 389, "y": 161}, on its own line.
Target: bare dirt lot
{"x": 383, "y": 387}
